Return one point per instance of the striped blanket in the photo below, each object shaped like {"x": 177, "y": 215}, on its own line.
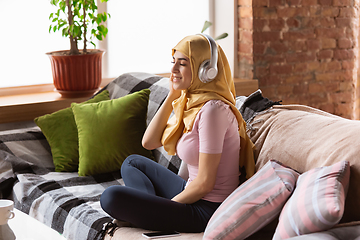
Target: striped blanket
{"x": 63, "y": 200}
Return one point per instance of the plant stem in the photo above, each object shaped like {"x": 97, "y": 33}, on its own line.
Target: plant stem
{"x": 73, "y": 41}
{"x": 84, "y": 9}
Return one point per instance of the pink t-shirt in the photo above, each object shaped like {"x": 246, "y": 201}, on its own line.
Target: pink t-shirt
{"x": 215, "y": 131}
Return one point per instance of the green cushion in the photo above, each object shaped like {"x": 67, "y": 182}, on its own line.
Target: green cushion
{"x": 109, "y": 131}
{"x": 61, "y": 133}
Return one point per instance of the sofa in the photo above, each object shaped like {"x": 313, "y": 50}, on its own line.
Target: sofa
{"x": 296, "y": 147}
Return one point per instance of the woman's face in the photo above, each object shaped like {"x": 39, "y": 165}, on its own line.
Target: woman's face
{"x": 181, "y": 71}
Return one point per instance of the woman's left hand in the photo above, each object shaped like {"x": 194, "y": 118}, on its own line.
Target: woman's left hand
{"x": 204, "y": 181}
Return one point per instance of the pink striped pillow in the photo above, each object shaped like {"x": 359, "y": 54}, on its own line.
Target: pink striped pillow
{"x": 253, "y": 204}
{"x": 317, "y": 203}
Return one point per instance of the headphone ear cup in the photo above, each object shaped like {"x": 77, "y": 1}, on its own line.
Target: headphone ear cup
{"x": 208, "y": 69}
{"x": 206, "y": 72}
{"x": 202, "y": 71}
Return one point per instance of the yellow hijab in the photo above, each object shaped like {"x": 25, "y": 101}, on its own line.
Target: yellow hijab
{"x": 186, "y": 107}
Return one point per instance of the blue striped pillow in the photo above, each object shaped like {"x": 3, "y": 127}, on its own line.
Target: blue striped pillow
{"x": 317, "y": 203}
{"x": 253, "y": 204}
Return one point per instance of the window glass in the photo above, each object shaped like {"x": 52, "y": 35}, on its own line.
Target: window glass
{"x": 25, "y": 39}
{"x": 141, "y": 35}
{"x": 142, "y": 32}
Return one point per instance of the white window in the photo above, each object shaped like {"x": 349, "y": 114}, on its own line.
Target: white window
{"x": 142, "y": 32}
{"x": 24, "y": 41}
{"x": 141, "y": 36}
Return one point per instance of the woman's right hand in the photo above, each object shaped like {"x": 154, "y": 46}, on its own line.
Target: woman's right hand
{"x": 173, "y": 94}
{"x": 153, "y": 134}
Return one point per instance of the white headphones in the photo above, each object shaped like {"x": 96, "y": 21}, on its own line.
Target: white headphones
{"x": 208, "y": 69}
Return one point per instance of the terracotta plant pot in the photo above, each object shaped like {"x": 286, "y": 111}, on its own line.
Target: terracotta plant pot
{"x": 76, "y": 75}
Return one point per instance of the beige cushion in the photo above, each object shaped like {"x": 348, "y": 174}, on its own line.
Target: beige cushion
{"x": 304, "y": 138}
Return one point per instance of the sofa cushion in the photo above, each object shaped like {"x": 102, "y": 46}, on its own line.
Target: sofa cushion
{"x": 343, "y": 232}
{"x": 159, "y": 87}
{"x": 61, "y": 133}
{"x": 317, "y": 203}
{"x": 132, "y": 82}
{"x": 304, "y": 138}
{"x": 109, "y": 131}
{"x": 253, "y": 204}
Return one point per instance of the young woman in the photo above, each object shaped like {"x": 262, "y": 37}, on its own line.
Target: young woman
{"x": 206, "y": 132}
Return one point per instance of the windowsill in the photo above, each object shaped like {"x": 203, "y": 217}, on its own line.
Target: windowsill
{"x": 26, "y": 103}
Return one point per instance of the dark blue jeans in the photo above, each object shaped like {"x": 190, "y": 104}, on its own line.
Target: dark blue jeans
{"x": 146, "y": 202}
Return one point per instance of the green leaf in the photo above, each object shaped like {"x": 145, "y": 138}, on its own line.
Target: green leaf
{"x": 62, "y": 5}
{"x": 73, "y": 31}
{"x": 64, "y": 32}
{"x": 98, "y": 20}
{"x": 100, "y": 28}
{"x": 62, "y": 24}
{"x": 93, "y": 5}
{"x": 99, "y": 37}
{"x": 76, "y": 31}
{"x": 104, "y": 17}
{"x": 207, "y": 24}
{"x": 224, "y": 35}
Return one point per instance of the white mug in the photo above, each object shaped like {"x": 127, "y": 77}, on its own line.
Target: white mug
{"x": 6, "y": 211}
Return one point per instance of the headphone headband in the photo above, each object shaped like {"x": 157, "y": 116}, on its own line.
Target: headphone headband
{"x": 208, "y": 69}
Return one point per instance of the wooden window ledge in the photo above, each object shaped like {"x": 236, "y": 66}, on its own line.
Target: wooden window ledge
{"x": 17, "y": 104}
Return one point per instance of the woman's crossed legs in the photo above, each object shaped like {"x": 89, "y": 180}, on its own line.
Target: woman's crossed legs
{"x": 146, "y": 202}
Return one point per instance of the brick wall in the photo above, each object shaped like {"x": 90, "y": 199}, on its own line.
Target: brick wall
{"x": 245, "y": 47}
{"x": 302, "y": 51}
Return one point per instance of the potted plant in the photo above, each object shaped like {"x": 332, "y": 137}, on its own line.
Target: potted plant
{"x": 77, "y": 73}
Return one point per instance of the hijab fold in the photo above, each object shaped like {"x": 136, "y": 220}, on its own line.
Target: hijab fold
{"x": 186, "y": 107}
